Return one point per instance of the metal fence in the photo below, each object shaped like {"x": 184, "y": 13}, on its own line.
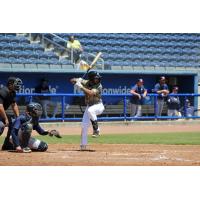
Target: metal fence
{"x": 121, "y": 107}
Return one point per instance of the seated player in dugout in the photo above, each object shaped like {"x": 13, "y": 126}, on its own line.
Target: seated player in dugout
{"x": 22, "y": 128}
{"x": 92, "y": 89}
{"x": 7, "y": 99}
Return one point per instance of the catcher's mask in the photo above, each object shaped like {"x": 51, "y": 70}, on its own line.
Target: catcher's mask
{"x": 15, "y": 82}
{"x": 34, "y": 109}
{"x": 92, "y": 75}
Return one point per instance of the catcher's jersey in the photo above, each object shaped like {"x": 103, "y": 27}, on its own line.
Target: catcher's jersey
{"x": 21, "y": 122}
{"x": 97, "y": 89}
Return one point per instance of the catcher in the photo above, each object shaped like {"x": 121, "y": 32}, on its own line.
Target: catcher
{"x": 92, "y": 89}
{"x": 22, "y": 128}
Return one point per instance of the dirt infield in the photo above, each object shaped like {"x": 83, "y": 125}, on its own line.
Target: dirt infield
{"x": 131, "y": 127}
{"x": 107, "y": 155}
{"x": 113, "y": 154}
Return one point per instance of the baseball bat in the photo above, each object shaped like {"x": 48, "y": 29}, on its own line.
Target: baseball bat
{"x": 92, "y": 63}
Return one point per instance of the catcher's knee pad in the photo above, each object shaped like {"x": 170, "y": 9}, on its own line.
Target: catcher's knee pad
{"x": 2, "y": 126}
{"x": 42, "y": 146}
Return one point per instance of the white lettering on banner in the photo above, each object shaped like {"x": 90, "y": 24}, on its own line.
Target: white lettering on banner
{"x": 27, "y": 90}
{"x": 119, "y": 90}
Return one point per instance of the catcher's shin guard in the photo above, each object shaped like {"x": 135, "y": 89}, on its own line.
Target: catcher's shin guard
{"x": 26, "y": 134}
{"x": 25, "y": 137}
{"x": 42, "y": 146}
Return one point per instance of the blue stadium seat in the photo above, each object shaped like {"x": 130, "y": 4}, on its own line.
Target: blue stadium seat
{"x": 135, "y": 49}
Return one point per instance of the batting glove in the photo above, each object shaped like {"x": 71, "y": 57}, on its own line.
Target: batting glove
{"x": 79, "y": 85}
{"x": 79, "y": 80}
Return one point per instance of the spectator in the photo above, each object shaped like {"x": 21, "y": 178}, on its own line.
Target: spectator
{"x": 162, "y": 90}
{"x": 173, "y": 104}
{"x": 76, "y": 47}
{"x": 46, "y": 101}
{"x": 139, "y": 93}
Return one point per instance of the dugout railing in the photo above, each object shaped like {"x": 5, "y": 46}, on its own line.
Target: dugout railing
{"x": 118, "y": 111}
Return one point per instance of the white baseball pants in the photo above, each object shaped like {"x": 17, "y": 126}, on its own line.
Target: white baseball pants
{"x": 90, "y": 113}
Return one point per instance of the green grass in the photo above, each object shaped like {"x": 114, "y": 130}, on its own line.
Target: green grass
{"x": 150, "y": 138}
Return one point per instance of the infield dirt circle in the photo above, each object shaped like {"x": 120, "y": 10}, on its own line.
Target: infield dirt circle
{"x": 112, "y": 154}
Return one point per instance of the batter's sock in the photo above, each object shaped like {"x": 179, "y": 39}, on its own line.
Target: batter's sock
{"x": 95, "y": 125}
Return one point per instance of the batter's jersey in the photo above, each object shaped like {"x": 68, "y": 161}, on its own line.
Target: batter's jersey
{"x": 97, "y": 89}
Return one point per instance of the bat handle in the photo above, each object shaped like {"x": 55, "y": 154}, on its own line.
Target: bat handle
{"x": 84, "y": 75}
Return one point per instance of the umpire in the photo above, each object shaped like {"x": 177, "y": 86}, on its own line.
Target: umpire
{"x": 7, "y": 99}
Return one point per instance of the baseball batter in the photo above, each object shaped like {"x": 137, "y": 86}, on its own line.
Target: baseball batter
{"x": 92, "y": 89}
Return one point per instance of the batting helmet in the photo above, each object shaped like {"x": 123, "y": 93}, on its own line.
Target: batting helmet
{"x": 34, "y": 109}
{"x": 16, "y": 82}
{"x": 94, "y": 75}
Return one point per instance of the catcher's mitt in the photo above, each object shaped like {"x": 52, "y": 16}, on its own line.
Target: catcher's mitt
{"x": 54, "y": 133}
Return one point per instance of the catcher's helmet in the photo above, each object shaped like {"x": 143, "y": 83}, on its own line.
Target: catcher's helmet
{"x": 94, "y": 75}
{"x": 34, "y": 109}
{"x": 16, "y": 82}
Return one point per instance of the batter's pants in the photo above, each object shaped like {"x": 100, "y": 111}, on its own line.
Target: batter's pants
{"x": 91, "y": 113}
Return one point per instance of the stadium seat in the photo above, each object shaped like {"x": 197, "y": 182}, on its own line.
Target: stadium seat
{"x": 119, "y": 49}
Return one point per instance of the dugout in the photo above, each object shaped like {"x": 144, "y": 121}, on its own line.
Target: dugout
{"x": 114, "y": 82}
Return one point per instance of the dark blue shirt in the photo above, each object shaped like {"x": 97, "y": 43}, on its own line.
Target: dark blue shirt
{"x": 158, "y": 87}
{"x": 139, "y": 90}
{"x": 173, "y": 102}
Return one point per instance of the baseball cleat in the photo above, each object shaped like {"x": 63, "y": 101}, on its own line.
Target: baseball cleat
{"x": 96, "y": 133}
{"x": 83, "y": 148}
{"x": 27, "y": 150}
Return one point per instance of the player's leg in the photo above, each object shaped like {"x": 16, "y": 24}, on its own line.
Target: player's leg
{"x": 24, "y": 135}
{"x": 44, "y": 108}
{"x": 7, "y": 145}
{"x": 133, "y": 110}
{"x": 139, "y": 111}
{"x": 170, "y": 113}
{"x": 54, "y": 104}
{"x": 37, "y": 145}
{"x": 84, "y": 129}
{"x": 2, "y": 126}
{"x": 93, "y": 112}
{"x": 160, "y": 106}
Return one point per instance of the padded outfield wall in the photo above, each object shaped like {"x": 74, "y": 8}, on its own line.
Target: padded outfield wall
{"x": 113, "y": 82}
